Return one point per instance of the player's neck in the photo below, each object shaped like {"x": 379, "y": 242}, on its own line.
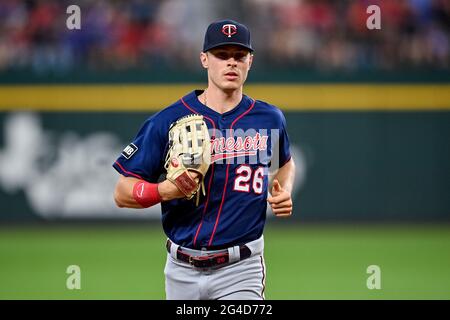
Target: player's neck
{"x": 219, "y": 100}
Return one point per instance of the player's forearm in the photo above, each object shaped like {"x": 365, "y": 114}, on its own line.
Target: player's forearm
{"x": 123, "y": 194}
{"x": 286, "y": 175}
{"x": 124, "y": 197}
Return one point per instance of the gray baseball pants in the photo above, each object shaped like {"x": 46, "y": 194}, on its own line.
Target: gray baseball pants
{"x": 239, "y": 280}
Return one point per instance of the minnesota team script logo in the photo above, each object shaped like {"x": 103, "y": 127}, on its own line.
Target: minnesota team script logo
{"x": 233, "y": 146}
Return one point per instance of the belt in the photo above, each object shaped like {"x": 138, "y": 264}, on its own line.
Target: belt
{"x": 210, "y": 260}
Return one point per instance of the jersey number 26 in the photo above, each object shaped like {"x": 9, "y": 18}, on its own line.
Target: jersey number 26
{"x": 244, "y": 174}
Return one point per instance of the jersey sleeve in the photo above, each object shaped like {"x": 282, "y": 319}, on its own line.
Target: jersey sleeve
{"x": 284, "y": 146}
{"x": 144, "y": 157}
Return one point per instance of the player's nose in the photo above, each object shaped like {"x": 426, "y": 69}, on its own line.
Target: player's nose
{"x": 231, "y": 62}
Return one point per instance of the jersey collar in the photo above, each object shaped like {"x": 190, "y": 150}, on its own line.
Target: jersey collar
{"x": 192, "y": 99}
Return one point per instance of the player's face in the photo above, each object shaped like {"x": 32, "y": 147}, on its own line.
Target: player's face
{"x": 227, "y": 66}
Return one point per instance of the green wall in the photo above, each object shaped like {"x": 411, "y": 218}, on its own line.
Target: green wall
{"x": 374, "y": 166}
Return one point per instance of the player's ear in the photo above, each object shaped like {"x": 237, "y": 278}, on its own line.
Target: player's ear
{"x": 204, "y": 59}
{"x": 250, "y": 61}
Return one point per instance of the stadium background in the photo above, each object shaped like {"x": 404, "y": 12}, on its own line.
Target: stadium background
{"x": 368, "y": 115}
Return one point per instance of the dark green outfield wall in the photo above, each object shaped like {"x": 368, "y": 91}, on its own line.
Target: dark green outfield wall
{"x": 374, "y": 166}
{"x": 359, "y": 166}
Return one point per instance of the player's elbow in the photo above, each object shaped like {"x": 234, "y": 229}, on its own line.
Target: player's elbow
{"x": 292, "y": 165}
{"x": 288, "y": 167}
{"x": 118, "y": 196}
{"x": 117, "y": 199}
{"x": 118, "y": 203}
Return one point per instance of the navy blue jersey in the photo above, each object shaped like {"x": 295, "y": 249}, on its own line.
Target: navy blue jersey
{"x": 245, "y": 142}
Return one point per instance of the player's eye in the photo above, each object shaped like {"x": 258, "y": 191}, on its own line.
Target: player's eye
{"x": 222, "y": 55}
{"x": 240, "y": 56}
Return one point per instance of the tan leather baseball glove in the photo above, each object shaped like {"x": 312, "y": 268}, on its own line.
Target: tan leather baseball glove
{"x": 189, "y": 151}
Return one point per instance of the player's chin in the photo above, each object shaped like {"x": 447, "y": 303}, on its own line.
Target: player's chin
{"x": 231, "y": 85}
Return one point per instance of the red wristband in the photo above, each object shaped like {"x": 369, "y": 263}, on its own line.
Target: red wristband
{"x": 146, "y": 194}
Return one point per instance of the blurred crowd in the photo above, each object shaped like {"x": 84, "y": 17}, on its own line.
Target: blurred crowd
{"x": 146, "y": 34}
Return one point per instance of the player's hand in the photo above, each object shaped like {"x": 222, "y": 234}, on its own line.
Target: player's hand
{"x": 280, "y": 201}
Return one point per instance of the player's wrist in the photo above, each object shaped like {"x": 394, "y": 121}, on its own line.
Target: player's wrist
{"x": 169, "y": 191}
{"x": 146, "y": 193}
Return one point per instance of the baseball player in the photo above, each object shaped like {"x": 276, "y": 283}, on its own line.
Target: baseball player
{"x": 212, "y": 184}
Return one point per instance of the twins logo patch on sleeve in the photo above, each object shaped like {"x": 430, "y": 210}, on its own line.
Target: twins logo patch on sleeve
{"x": 129, "y": 150}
